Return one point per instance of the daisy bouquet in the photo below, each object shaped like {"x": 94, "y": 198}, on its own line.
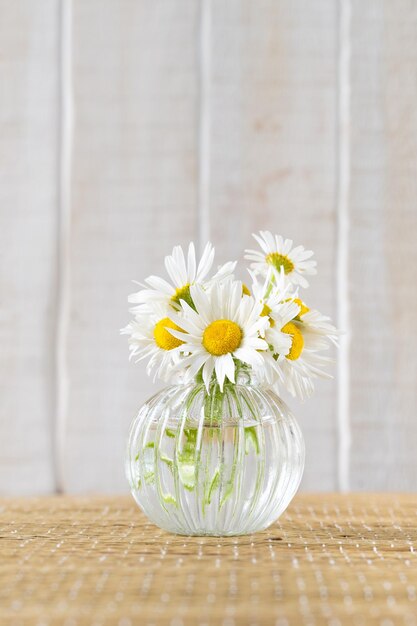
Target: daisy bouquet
{"x": 209, "y": 327}
{"x": 220, "y": 453}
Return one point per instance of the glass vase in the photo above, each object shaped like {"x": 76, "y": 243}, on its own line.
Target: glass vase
{"x": 220, "y": 463}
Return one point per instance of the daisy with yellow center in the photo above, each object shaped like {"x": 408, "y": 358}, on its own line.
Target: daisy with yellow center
{"x": 149, "y": 337}
{"x": 318, "y": 335}
{"x": 296, "y": 372}
{"x": 320, "y": 328}
{"x": 295, "y": 336}
{"x": 282, "y": 336}
{"x": 316, "y": 325}
{"x": 183, "y": 273}
{"x": 225, "y": 327}
{"x": 279, "y": 255}
{"x": 296, "y": 369}
{"x": 271, "y": 294}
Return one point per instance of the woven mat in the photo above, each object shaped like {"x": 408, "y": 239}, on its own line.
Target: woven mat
{"x": 331, "y": 559}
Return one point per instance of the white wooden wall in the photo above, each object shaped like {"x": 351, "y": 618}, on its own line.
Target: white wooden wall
{"x": 127, "y": 126}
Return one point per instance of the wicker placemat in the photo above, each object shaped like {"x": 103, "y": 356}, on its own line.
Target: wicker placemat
{"x": 331, "y": 560}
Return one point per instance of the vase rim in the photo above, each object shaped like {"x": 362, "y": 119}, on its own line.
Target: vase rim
{"x": 244, "y": 376}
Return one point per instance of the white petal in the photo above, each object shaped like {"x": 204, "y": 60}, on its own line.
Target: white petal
{"x": 174, "y": 272}
{"x": 234, "y": 299}
{"x": 224, "y": 271}
{"x": 187, "y": 325}
{"x": 263, "y": 242}
{"x": 208, "y": 371}
{"x": 190, "y": 314}
{"x": 247, "y": 355}
{"x": 179, "y": 260}
{"x": 201, "y": 302}
{"x": 216, "y": 311}
{"x": 206, "y": 262}
{"x": 197, "y": 363}
{"x": 229, "y": 367}
{"x": 220, "y": 371}
{"x": 159, "y": 284}
{"x": 179, "y": 335}
{"x": 191, "y": 269}
{"x": 255, "y": 343}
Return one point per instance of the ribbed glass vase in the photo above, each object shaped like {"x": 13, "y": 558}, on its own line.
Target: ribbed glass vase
{"x": 223, "y": 463}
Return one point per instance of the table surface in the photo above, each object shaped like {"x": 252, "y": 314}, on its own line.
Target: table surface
{"x": 330, "y": 559}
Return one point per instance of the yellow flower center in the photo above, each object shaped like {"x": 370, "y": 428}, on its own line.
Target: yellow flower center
{"x": 222, "y": 337}
{"x": 245, "y": 290}
{"x": 278, "y": 260}
{"x": 297, "y": 344}
{"x": 303, "y": 307}
{"x": 182, "y": 293}
{"x": 265, "y": 313}
{"x": 163, "y": 337}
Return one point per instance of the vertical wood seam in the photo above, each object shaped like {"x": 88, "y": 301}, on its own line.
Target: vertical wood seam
{"x": 64, "y": 223}
{"x": 204, "y": 123}
{"x": 342, "y": 209}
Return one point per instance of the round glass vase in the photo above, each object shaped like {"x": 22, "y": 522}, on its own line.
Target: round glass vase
{"x": 218, "y": 463}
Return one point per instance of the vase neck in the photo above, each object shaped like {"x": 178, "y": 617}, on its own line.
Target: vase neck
{"x": 243, "y": 376}
{"x": 247, "y": 377}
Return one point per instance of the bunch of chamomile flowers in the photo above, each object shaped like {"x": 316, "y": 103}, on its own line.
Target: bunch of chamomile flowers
{"x": 210, "y": 325}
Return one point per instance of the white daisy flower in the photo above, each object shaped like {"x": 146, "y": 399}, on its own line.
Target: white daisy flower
{"x": 294, "y": 336}
{"x": 279, "y": 254}
{"x": 183, "y": 273}
{"x": 298, "y": 375}
{"x": 276, "y": 299}
{"x": 318, "y": 325}
{"x": 302, "y": 363}
{"x": 149, "y": 338}
{"x": 225, "y": 326}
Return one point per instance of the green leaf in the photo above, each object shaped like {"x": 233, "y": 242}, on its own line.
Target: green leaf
{"x": 251, "y": 439}
{"x": 168, "y": 461}
{"x": 215, "y": 483}
{"x": 169, "y": 499}
{"x": 187, "y": 459}
{"x": 149, "y": 478}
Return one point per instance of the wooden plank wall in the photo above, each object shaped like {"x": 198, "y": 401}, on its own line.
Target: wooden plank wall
{"x": 195, "y": 120}
{"x": 382, "y": 242}
{"x": 29, "y": 112}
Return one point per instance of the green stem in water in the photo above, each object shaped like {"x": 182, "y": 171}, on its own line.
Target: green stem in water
{"x": 251, "y": 439}
{"x": 188, "y": 457}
